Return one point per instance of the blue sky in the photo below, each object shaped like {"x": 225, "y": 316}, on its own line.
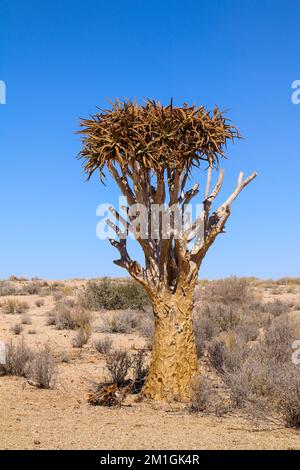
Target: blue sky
{"x": 60, "y": 59}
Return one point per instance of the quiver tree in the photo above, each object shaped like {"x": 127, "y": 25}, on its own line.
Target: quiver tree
{"x": 151, "y": 151}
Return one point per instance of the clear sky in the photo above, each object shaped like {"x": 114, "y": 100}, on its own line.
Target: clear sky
{"x": 60, "y": 59}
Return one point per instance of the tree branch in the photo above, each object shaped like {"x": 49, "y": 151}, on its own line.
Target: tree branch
{"x": 124, "y": 186}
{"x": 216, "y": 222}
{"x": 240, "y": 186}
{"x": 208, "y": 181}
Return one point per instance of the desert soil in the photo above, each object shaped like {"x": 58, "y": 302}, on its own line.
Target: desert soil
{"x": 31, "y": 418}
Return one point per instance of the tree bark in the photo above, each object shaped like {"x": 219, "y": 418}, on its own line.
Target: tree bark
{"x": 174, "y": 358}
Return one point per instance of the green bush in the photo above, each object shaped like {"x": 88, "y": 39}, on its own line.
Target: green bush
{"x": 112, "y": 295}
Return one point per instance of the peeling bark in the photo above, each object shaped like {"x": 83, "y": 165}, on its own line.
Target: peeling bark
{"x": 174, "y": 358}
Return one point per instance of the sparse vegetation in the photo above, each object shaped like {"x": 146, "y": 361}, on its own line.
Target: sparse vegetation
{"x": 103, "y": 345}
{"x": 58, "y": 295}
{"x": 118, "y": 364}
{"x": 140, "y": 371}
{"x": 33, "y": 287}
{"x": 66, "y": 315}
{"x": 81, "y": 338}
{"x": 25, "y": 319}
{"x": 6, "y": 288}
{"x": 32, "y": 331}
{"x": 119, "y": 322}
{"x": 248, "y": 343}
{"x": 14, "y": 278}
{"x": 17, "y": 328}
{"x": 13, "y": 306}
{"x": 205, "y": 398}
{"x": 42, "y": 369}
{"x": 17, "y": 357}
{"x": 228, "y": 291}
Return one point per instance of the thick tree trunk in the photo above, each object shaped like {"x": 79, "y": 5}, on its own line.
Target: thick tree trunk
{"x": 174, "y": 358}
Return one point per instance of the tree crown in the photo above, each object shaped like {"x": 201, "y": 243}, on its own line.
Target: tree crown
{"x": 155, "y": 136}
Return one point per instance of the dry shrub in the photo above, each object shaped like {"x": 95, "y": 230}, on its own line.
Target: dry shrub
{"x": 202, "y": 393}
{"x": 64, "y": 357}
{"x": 25, "y": 319}
{"x": 33, "y": 287}
{"x": 39, "y": 303}
{"x": 245, "y": 317}
{"x": 6, "y": 288}
{"x": 68, "y": 316}
{"x": 81, "y": 338}
{"x": 17, "y": 329}
{"x": 249, "y": 384}
{"x": 277, "y": 342}
{"x": 42, "y": 370}
{"x": 140, "y": 371}
{"x": 287, "y": 393}
{"x": 103, "y": 345}
{"x": 205, "y": 399}
{"x": 38, "y": 366}
{"x": 17, "y": 357}
{"x": 205, "y": 328}
{"x": 268, "y": 390}
{"x": 146, "y": 329}
{"x": 118, "y": 364}
{"x": 227, "y": 291}
{"x": 226, "y": 316}
{"x": 248, "y": 343}
{"x": 277, "y": 307}
{"x": 44, "y": 291}
{"x": 247, "y": 330}
{"x": 14, "y": 306}
{"x": 217, "y": 354}
{"x": 228, "y": 353}
{"x": 14, "y": 278}
{"x": 57, "y": 295}
{"x": 113, "y": 295}
{"x": 114, "y": 391}
{"x": 261, "y": 379}
{"x": 289, "y": 281}
{"x": 146, "y": 324}
{"x": 68, "y": 290}
{"x": 212, "y": 319}
{"x": 121, "y": 322}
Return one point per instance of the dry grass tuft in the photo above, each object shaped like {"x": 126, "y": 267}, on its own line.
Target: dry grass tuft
{"x": 42, "y": 370}
{"x": 81, "y": 338}
{"x": 66, "y": 315}
{"x": 103, "y": 345}
{"x": 14, "y": 306}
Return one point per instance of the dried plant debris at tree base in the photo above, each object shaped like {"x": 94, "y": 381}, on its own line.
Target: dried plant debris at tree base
{"x": 119, "y": 363}
{"x": 109, "y": 395}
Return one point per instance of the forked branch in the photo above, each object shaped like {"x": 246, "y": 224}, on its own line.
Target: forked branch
{"x": 215, "y": 223}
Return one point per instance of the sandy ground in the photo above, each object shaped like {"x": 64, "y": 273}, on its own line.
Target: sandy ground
{"x": 31, "y": 418}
